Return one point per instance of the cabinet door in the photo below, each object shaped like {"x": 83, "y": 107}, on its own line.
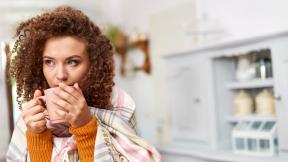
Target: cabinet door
{"x": 188, "y": 99}
{"x": 280, "y": 70}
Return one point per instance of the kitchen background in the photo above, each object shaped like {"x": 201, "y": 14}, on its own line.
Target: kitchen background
{"x": 179, "y": 98}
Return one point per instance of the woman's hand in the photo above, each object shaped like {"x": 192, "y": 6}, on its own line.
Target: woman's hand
{"x": 33, "y": 114}
{"x": 75, "y": 107}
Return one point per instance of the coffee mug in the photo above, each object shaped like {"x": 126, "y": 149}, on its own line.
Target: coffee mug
{"x": 51, "y": 107}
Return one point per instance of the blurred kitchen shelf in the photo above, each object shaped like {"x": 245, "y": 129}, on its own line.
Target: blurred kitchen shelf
{"x": 238, "y": 118}
{"x": 256, "y": 83}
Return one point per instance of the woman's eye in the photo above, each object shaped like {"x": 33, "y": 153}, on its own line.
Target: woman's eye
{"x": 49, "y": 62}
{"x": 73, "y": 62}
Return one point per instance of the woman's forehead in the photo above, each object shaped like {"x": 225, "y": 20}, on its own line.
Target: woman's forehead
{"x": 65, "y": 46}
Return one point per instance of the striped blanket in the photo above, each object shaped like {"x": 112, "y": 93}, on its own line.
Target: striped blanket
{"x": 116, "y": 138}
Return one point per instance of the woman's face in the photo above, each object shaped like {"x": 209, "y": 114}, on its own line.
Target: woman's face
{"x": 65, "y": 59}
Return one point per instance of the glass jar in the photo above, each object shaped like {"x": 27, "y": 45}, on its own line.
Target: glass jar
{"x": 264, "y": 68}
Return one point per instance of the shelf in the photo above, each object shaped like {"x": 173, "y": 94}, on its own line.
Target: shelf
{"x": 236, "y": 119}
{"x": 219, "y": 155}
{"x": 256, "y": 83}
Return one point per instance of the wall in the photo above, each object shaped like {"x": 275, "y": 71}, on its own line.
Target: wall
{"x": 14, "y": 11}
{"x": 245, "y": 18}
{"x": 136, "y": 14}
{"x": 242, "y": 18}
{"x": 4, "y": 126}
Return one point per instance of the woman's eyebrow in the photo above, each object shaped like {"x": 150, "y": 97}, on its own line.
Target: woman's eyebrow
{"x": 73, "y": 56}
{"x": 48, "y": 57}
{"x": 70, "y": 57}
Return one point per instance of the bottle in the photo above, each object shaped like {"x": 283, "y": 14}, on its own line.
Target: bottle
{"x": 264, "y": 65}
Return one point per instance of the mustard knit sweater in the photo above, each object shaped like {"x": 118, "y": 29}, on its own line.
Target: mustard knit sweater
{"x": 40, "y": 145}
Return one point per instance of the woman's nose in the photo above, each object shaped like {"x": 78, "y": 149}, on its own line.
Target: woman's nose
{"x": 61, "y": 73}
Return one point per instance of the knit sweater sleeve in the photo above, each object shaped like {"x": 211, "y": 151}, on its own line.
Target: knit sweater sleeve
{"x": 85, "y": 139}
{"x": 39, "y": 146}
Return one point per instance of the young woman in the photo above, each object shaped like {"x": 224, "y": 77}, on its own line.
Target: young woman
{"x": 62, "y": 49}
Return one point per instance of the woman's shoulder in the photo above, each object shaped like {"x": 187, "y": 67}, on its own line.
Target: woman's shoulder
{"x": 123, "y": 103}
{"x": 120, "y": 98}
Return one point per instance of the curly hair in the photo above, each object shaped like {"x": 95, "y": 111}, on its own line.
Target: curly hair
{"x": 27, "y": 66}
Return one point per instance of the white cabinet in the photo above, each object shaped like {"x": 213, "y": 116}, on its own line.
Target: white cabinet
{"x": 202, "y": 85}
{"x": 188, "y": 100}
{"x": 280, "y": 60}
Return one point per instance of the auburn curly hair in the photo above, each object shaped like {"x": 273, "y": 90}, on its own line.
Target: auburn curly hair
{"x": 27, "y": 66}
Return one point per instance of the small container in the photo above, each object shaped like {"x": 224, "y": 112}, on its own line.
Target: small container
{"x": 245, "y": 68}
{"x": 265, "y": 103}
{"x": 243, "y": 103}
{"x": 257, "y": 138}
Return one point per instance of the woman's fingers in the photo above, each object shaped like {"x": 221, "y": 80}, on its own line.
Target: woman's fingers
{"x": 37, "y": 94}
{"x": 70, "y": 90}
{"x": 59, "y": 92}
{"x": 37, "y": 117}
{"x": 32, "y": 111}
{"x": 62, "y": 114}
{"x": 35, "y": 101}
{"x": 38, "y": 126}
{"x": 29, "y": 104}
{"x": 33, "y": 114}
{"x": 67, "y": 107}
{"x": 76, "y": 85}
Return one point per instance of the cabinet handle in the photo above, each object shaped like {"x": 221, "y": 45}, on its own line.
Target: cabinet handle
{"x": 278, "y": 98}
{"x": 196, "y": 100}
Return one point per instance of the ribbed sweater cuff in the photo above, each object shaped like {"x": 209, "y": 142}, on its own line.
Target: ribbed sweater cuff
{"x": 85, "y": 139}
{"x": 40, "y": 145}
{"x": 88, "y": 128}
